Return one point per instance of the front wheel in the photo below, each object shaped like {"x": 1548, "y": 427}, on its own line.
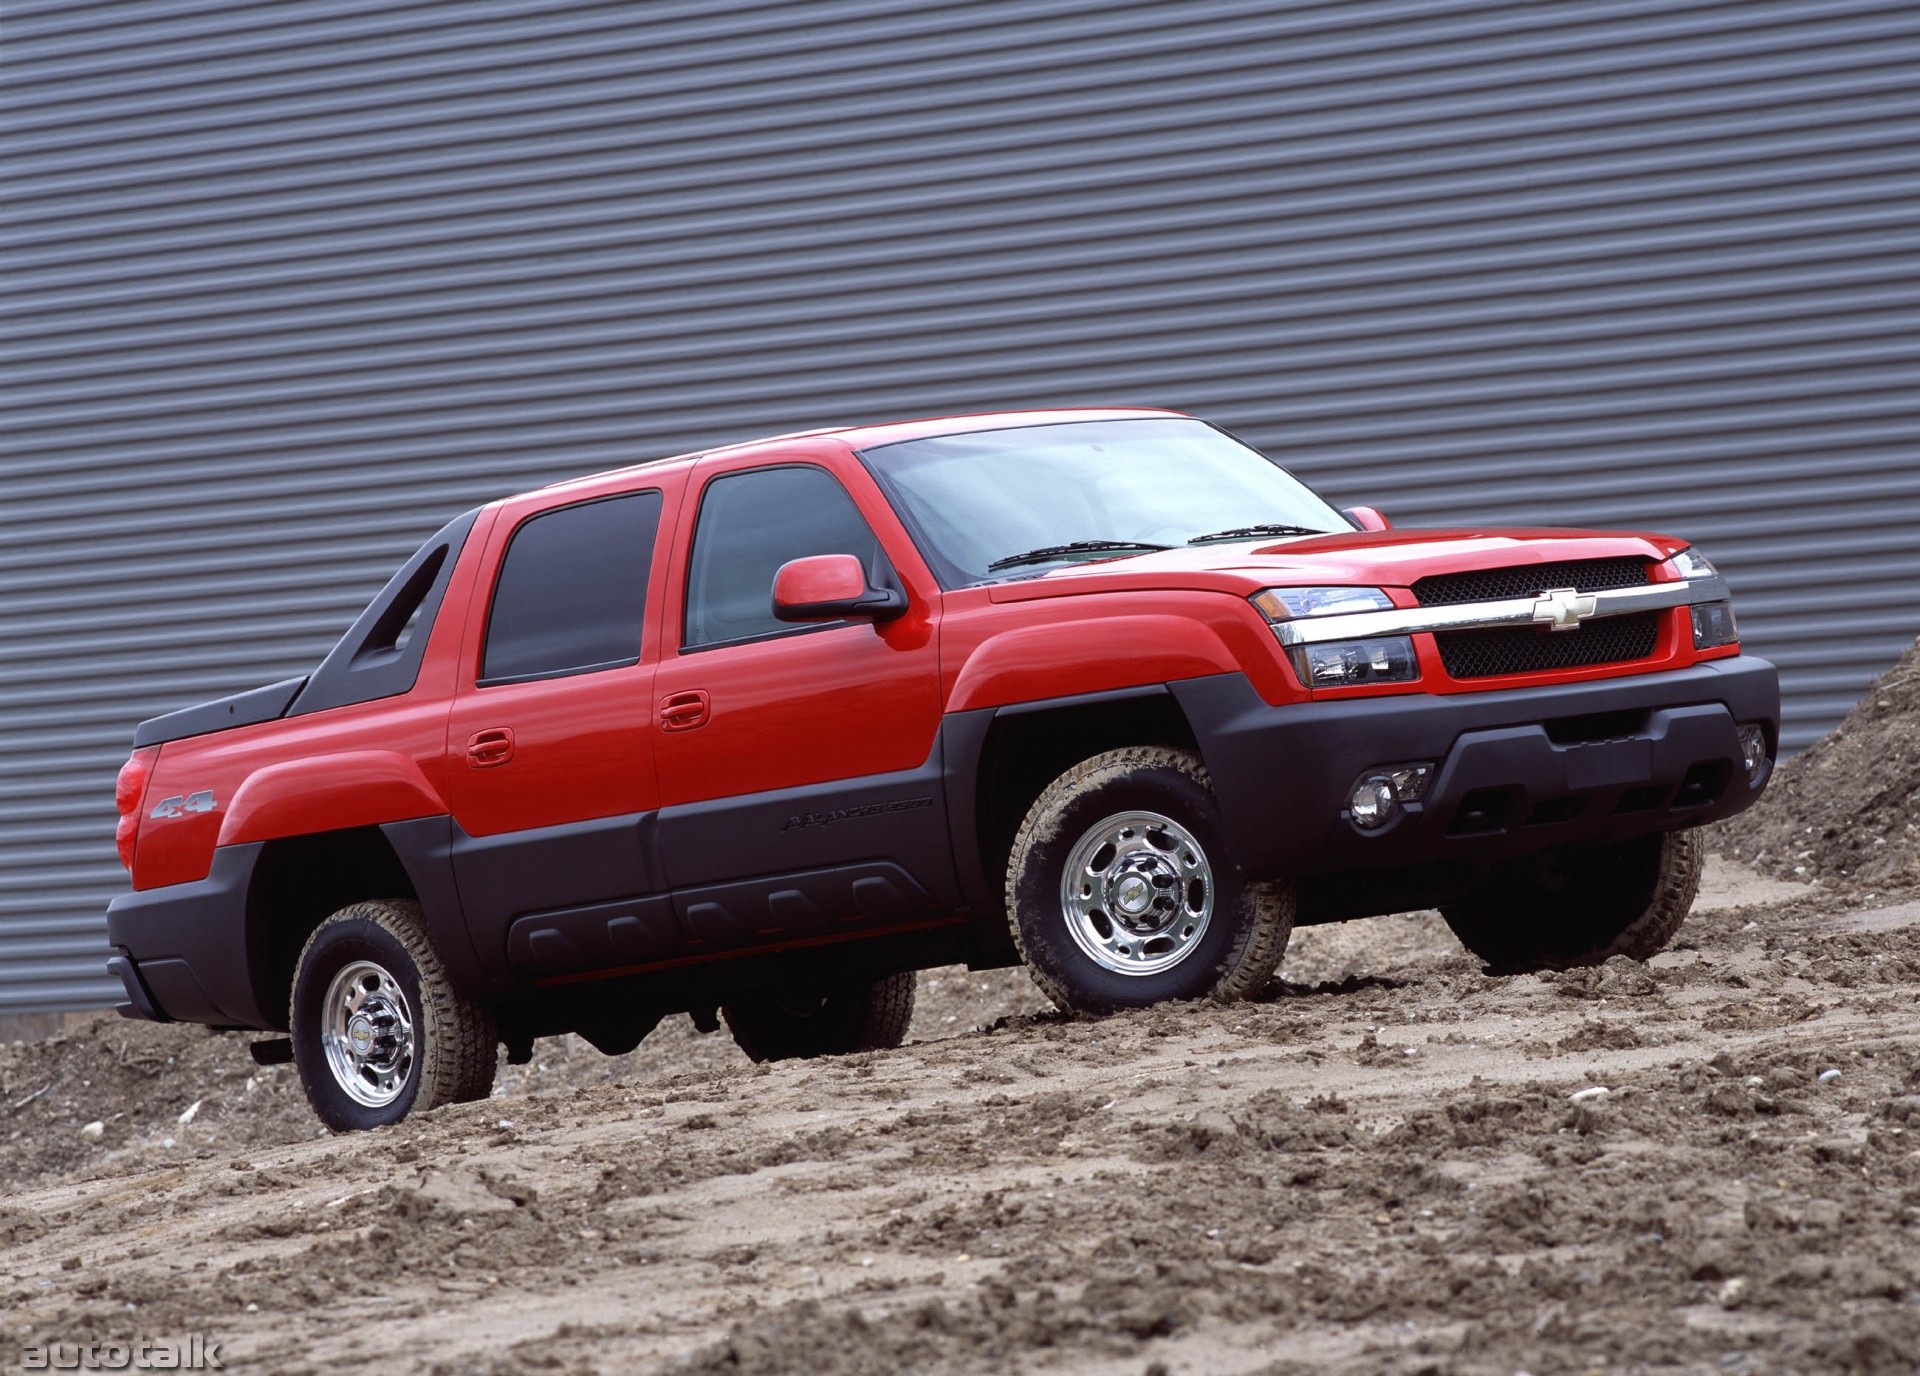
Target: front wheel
{"x": 1122, "y": 892}
{"x": 378, "y": 1031}
{"x": 1583, "y": 907}
{"x": 860, "y": 1017}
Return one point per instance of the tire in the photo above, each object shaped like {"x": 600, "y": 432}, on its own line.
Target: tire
{"x": 865, "y": 1017}
{"x": 444, "y": 1055}
{"x": 1585, "y": 907}
{"x": 1154, "y": 808}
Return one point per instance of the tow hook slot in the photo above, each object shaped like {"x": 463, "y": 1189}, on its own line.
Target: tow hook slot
{"x": 1483, "y": 812}
{"x": 1704, "y": 783}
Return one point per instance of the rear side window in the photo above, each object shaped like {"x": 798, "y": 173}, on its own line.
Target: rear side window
{"x": 750, "y": 524}
{"x": 572, "y": 590}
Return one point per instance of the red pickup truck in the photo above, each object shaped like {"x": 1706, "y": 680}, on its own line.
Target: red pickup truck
{"x": 762, "y": 731}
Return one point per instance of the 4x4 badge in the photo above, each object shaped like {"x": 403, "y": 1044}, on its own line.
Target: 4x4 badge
{"x": 1563, "y": 609}
{"x": 180, "y": 807}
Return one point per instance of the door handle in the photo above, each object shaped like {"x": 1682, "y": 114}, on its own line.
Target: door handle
{"x": 684, "y": 711}
{"x": 485, "y": 748}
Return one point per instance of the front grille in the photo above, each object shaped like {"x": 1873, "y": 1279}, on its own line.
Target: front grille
{"x": 1530, "y": 580}
{"x": 1527, "y": 650}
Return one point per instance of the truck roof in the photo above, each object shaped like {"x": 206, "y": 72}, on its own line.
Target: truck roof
{"x": 887, "y": 432}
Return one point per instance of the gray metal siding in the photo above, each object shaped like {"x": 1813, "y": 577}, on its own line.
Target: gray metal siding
{"x": 287, "y": 284}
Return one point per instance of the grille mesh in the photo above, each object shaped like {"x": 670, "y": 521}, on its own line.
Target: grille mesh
{"x": 1525, "y": 649}
{"x": 1529, "y": 580}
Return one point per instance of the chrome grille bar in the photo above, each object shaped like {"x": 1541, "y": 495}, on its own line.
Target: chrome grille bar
{"x": 1516, "y": 611}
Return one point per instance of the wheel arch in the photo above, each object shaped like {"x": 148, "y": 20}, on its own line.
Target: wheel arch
{"x": 1012, "y": 754}
{"x": 300, "y": 881}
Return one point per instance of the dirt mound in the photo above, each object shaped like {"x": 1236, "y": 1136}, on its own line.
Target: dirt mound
{"x": 1843, "y": 811}
{"x": 138, "y": 1080}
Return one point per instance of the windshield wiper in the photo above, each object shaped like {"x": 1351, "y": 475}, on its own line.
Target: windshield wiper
{"x": 1249, "y": 532}
{"x": 1046, "y": 552}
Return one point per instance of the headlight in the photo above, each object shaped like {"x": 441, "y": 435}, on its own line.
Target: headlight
{"x": 1691, "y": 563}
{"x": 1340, "y": 663}
{"x": 1289, "y": 604}
{"x": 1344, "y": 663}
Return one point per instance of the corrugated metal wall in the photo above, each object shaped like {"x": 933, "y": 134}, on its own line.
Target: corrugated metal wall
{"x": 289, "y": 283}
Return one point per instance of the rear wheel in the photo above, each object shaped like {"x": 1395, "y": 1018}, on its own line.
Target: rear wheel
{"x": 1583, "y": 907}
{"x": 1122, "y": 891}
{"x": 861, "y": 1017}
{"x": 378, "y": 1031}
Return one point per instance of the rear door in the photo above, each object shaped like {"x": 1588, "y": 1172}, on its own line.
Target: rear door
{"x": 550, "y": 766}
{"x": 799, "y": 776}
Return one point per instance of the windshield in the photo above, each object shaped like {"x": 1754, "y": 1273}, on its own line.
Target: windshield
{"x": 1008, "y": 503}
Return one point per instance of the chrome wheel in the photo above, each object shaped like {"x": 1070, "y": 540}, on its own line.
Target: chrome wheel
{"x": 368, "y": 1034}
{"x": 1137, "y": 893}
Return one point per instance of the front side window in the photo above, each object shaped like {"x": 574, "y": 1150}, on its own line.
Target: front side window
{"x": 990, "y": 504}
{"x": 750, "y": 524}
{"x": 572, "y": 590}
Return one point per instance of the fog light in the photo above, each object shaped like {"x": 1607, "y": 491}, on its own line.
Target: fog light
{"x": 1713, "y": 625}
{"x": 1373, "y": 805}
{"x": 1380, "y": 795}
{"x": 1410, "y": 781}
{"x": 1753, "y": 749}
{"x": 1344, "y": 663}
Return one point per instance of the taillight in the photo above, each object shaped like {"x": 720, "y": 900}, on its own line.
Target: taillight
{"x": 129, "y": 791}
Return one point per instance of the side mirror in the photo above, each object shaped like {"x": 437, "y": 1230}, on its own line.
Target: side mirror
{"x": 1367, "y": 518}
{"x": 831, "y": 587}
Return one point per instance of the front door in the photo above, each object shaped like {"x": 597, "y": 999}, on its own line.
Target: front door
{"x": 799, "y": 774}
{"x": 550, "y": 759}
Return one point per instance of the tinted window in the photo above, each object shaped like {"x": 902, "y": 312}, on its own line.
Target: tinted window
{"x": 572, "y": 590}
{"x": 750, "y": 524}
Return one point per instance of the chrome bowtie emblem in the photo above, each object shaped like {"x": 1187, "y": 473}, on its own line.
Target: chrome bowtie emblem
{"x": 1563, "y": 609}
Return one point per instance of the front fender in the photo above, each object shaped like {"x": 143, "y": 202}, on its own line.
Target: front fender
{"x": 355, "y": 788}
{"x": 1068, "y": 658}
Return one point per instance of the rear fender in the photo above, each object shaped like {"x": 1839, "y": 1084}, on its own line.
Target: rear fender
{"x": 355, "y": 788}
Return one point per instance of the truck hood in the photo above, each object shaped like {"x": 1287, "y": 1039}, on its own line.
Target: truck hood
{"x": 1382, "y": 559}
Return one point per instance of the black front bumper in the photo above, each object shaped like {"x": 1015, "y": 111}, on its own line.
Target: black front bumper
{"x": 1516, "y": 772}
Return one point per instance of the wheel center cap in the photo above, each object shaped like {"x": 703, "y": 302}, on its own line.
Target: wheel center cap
{"x": 360, "y": 1033}
{"x": 1133, "y": 895}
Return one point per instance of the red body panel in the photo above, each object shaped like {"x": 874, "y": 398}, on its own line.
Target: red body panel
{"x": 995, "y": 654}
{"x": 354, "y": 788}
{"x": 837, "y": 702}
{"x": 580, "y": 746}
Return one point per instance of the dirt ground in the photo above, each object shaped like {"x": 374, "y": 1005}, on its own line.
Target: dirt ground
{"x": 1390, "y": 1163}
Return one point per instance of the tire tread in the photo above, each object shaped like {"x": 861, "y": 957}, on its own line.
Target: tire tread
{"x": 1255, "y": 955}
{"x": 460, "y": 1046}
